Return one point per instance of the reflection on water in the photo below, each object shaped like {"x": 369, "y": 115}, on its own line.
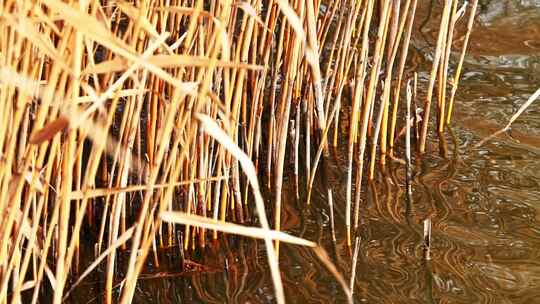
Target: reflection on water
{"x": 483, "y": 203}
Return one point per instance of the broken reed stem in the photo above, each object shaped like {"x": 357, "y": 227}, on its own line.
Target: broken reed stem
{"x": 409, "y": 122}
{"x": 427, "y": 239}
{"x": 332, "y": 222}
{"x": 296, "y": 151}
{"x": 516, "y": 115}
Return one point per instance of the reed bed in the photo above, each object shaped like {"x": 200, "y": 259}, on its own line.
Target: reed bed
{"x": 150, "y": 123}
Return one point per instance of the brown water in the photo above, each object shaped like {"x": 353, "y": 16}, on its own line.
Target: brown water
{"x": 483, "y": 201}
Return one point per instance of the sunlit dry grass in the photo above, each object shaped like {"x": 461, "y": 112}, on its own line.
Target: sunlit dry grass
{"x": 147, "y": 119}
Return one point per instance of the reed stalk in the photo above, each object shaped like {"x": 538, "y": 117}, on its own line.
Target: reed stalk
{"x": 457, "y": 75}
{"x": 439, "y": 47}
{"x": 148, "y": 126}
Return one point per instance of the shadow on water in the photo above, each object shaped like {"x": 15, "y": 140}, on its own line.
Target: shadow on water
{"x": 483, "y": 203}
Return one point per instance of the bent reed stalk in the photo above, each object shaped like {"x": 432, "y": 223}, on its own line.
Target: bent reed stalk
{"x": 149, "y": 125}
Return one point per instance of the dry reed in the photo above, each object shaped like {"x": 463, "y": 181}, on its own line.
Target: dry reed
{"x": 144, "y": 122}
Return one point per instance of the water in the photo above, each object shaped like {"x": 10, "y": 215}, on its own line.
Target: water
{"x": 483, "y": 202}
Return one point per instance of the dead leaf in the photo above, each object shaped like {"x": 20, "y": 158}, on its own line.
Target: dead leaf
{"x": 49, "y": 130}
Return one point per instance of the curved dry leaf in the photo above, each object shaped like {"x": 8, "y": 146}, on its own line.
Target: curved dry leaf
{"x": 211, "y": 127}
{"x": 49, "y": 130}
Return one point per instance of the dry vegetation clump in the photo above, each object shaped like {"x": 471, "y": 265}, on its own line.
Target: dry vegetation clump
{"x": 148, "y": 120}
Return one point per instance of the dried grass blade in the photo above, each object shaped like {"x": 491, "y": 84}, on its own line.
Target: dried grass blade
{"x": 166, "y": 61}
{"x": 209, "y": 223}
